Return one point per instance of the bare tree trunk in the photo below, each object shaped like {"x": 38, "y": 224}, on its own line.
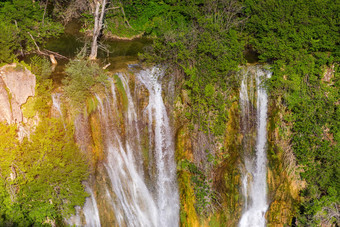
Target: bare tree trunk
{"x": 46, "y": 4}
{"x": 98, "y": 25}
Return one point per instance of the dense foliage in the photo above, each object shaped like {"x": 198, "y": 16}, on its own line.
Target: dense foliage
{"x": 41, "y": 177}
{"x": 301, "y": 40}
{"x": 84, "y": 79}
{"x": 22, "y": 23}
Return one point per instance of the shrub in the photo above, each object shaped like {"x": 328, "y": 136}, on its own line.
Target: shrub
{"x": 84, "y": 79}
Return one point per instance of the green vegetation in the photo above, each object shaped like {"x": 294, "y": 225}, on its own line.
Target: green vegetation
{"x": 84, "y": 79}
{"x": 40, "y": 178}
{"x": 41, "y": 67}
{"x": 204, "y": 45}
{"x": 21, "y": 21}
{"x": 204, "y": 194}
{"x": 301, "y": 38}
{"x": 315, "y": 113}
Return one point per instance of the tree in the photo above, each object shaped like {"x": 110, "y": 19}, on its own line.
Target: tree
{"x": 99, "y": 9}
{"x": 99, "y": 13}
{"x": 24, "y": 26}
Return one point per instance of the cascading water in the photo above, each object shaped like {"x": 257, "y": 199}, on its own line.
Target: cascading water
{"x": 137, "y": 199}
{"x": 167, "y": 197}
{"x": 90, "y": 210}
{"x": 132, "y": 202}
{"x": 254, "y": 186}
{"x": 56, "y": 103}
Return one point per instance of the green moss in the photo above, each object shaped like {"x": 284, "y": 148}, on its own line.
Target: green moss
{"x": 121, "y": 90}
{"x": 188, "y": 213}
{"x": 214, "y": 221}
{"x": 91, "y": 105}
{"x": 145, "y": 148}
{"x": 28, "y": 109}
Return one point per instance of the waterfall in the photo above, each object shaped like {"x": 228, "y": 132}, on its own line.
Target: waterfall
{"x": 167, "y": 197}
{"x": 133, "y": 203}
{"x": 56, "y": 103}
{"x": 254, "y": 186}
{"x": 90, "y": 210}
{"x": 137, "y": 199}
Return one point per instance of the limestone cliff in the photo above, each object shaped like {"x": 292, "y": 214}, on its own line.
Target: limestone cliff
{"x": 17, "y": 84}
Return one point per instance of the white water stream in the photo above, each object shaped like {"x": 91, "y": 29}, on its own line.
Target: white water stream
{"x": 56, "y": 103}
{"x": 135, "y": 200}
{"x": 254, "y": 182}
{"x": 90, "y": 210}
{"x": 167, "y": 198}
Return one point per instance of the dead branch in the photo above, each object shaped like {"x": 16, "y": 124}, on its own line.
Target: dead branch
{"x": 116, "y": 7}
{"x": 107, "y": 65}
{"x": 43, "y": 19}
{"x": 126, "y": 21}
{"x": 46, "y": 52}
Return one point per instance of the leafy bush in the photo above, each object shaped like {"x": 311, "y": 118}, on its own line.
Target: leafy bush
{"x": 41, "y": 68}
{"x": 40, "y": 179}
{"x": 21, "y": 19}
{"x": 84, "y": 79}
{"x": 8, "y": 42}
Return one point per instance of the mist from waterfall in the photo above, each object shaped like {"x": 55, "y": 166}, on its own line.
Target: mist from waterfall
{"x": 254, "y": 181}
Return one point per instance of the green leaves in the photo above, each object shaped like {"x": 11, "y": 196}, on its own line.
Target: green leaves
{"x": 83, "y": 78}
{"x": 20, "y": 19}
{"x": 282, "y": 29}
{"x": 42, "y": 178}
{"x": 313, "y": 104}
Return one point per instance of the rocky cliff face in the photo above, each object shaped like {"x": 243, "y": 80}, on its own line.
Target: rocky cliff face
{"x": 17, "y": 83}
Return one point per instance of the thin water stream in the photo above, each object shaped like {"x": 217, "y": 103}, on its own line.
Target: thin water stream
{"x": 254, "y": 182}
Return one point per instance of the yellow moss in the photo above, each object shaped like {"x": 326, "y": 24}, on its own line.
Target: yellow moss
{"x": 188, "y": 213}
{"x": 227, "y": 175}
{"x": 97, "y": 148}
{"x": 28, "y": 109}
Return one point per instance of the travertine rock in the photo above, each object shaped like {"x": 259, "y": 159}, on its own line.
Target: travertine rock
{"x": 16, "y": 85}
